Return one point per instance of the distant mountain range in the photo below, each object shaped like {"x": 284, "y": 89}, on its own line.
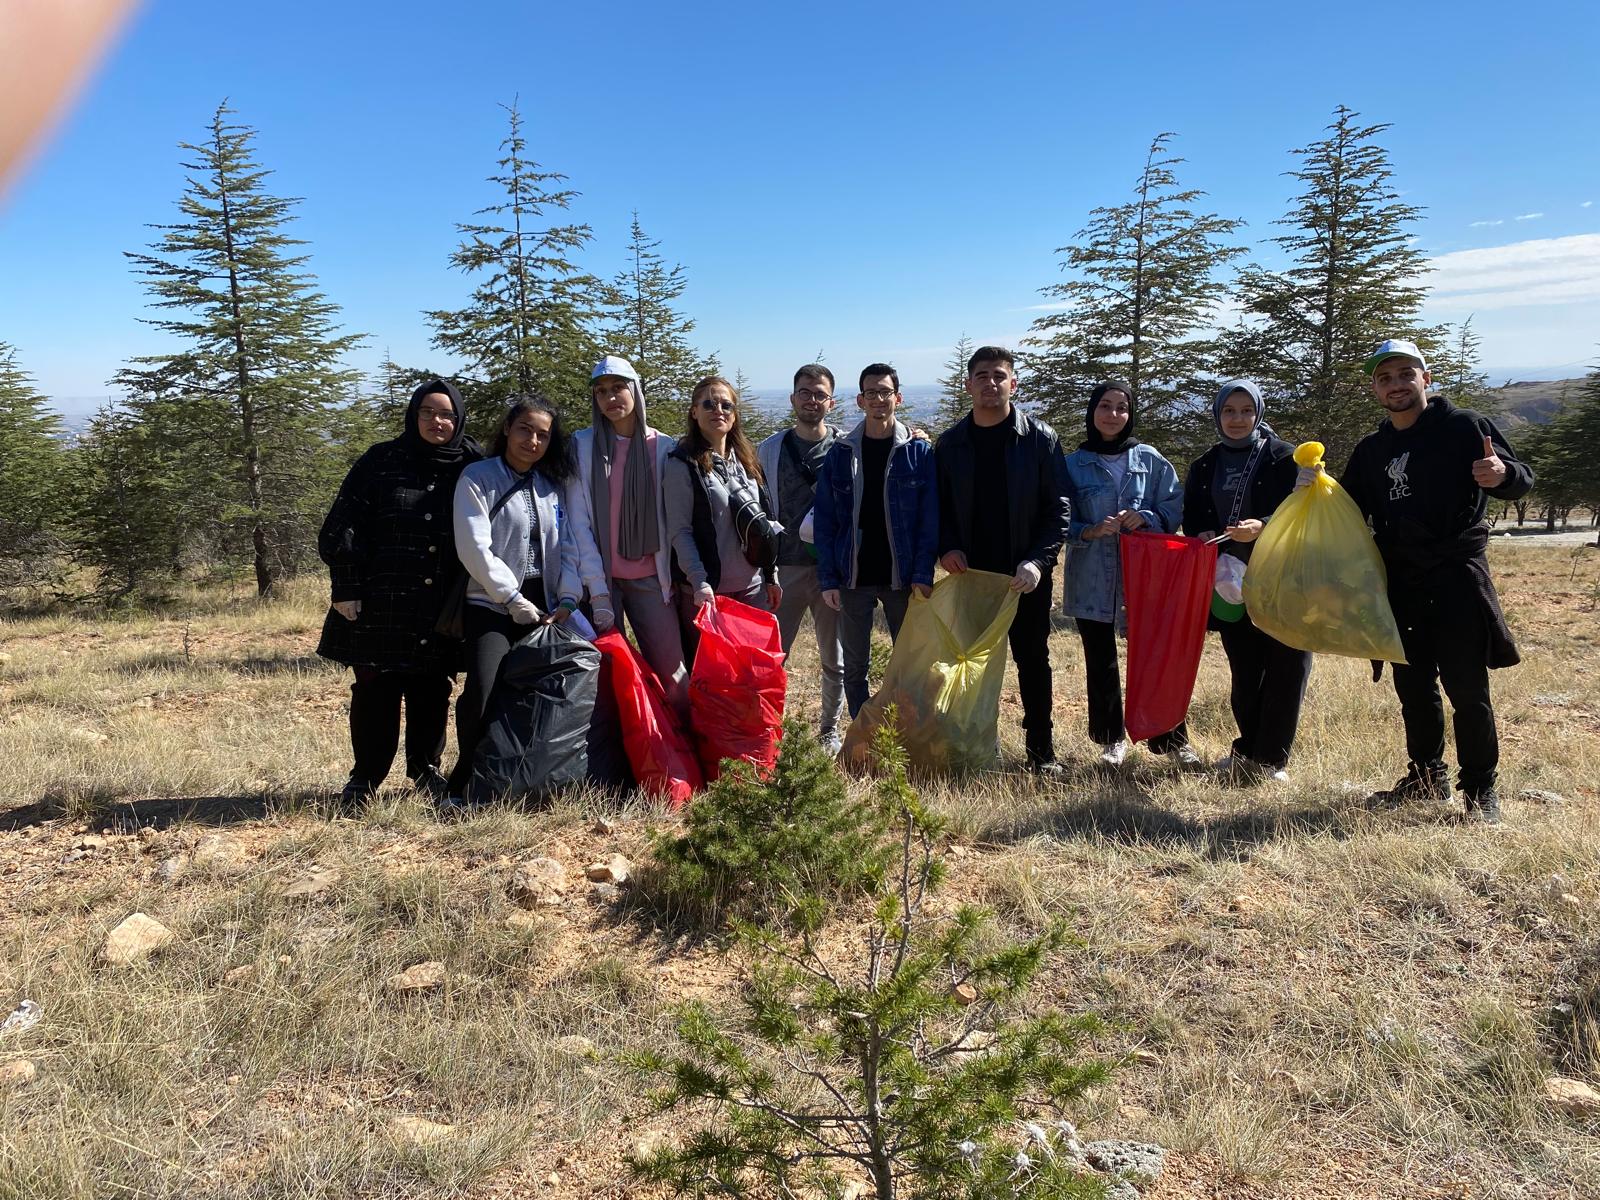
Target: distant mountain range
{"x": 1537, "y": 401}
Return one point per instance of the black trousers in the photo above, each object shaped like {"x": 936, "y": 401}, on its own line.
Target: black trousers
{"x": 375, "y": 700}
{"x": 1446, "y": 640}
{"x": 489, "y": 637}
{"x": 1104, "y": 686}
{"x": 1269, "y": 685}
{"x": 1030, "y": 650}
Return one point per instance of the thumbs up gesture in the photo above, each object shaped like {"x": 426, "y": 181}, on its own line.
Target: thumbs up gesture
{"x": 1489, "y": 471}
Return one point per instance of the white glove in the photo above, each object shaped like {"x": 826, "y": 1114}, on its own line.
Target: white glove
{"x": 1304, "y": 476}
{"x": 348, "y": 609}
{"x": 523, "y": 611}
{"x": 604, "y": 617}
{"x": 1027, "y": 578}
{"x": 703, "y": 595}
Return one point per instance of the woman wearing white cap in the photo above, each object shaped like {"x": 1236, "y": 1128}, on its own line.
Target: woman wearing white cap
{"x": 619, "y": 521}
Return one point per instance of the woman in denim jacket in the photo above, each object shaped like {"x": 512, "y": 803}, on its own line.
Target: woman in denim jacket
{"x": 1114, "y": 483}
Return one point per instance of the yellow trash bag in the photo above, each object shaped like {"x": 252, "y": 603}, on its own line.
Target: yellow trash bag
{"x": 1316, "y": 581}
{"x": 944, "y": 679}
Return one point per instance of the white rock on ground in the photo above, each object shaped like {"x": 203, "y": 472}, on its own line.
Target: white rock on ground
{"x": 419, "y": 977}
{"x": 419, "y": 1131}
{"x": 616, "y": 869}
{"x": 135, "y": 938}
{"x": 1572, "y": 1096}
{"x": 538, "y": 882}
{"x": 313, "y": 883}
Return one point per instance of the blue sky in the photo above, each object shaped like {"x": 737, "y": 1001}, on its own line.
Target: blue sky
{"x": 871, "y": 179}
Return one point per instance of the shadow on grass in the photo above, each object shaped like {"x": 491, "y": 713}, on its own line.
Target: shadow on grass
{"x": 126, "y": 816}
{"x": 168, "y": 660}
{"x": 1093, "y": 807}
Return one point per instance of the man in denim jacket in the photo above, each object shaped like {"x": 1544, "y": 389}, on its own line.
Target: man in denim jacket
{"x": 876, "y": 524}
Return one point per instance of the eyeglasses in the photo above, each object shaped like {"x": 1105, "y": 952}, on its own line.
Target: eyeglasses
{"x": 437, "y": 414}
{"x": 717, "y": 405}
{"x": 878, "y": 394}
{"x": 807, "y": 396}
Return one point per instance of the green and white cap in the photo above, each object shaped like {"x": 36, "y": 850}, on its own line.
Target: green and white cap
{"x": 1394, "y": 348}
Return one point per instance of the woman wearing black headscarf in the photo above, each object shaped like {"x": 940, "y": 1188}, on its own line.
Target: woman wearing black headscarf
{"x": 1115, "y": 483}
{"x": 1233, "y": 488}
{"x": 390, "y": 549}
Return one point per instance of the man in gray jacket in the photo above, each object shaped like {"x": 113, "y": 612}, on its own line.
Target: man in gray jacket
{"x": 790, "y": 461}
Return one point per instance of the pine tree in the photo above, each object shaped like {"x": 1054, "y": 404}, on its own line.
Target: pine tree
{"x": 531, "y": 321}
{"x": 1353, "y": 280}
{"x": 32, "y": 477}
{"x": 1137, "y": 306}
{"x": 954, "y": 403}
{"x": 1456, "y": 375}
{"x": 134, "y": 517}
{"x": 245, "y": 401}
{"x": 648, "y": 329}
{"x": 756, "y": 422}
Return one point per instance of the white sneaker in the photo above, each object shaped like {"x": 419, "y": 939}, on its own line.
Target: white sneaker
{"x": 1185, "y": 759}
{"x": 831, "y": 742}
{"x": 1279, "y": 776}
{"x": 1112, "y": 754}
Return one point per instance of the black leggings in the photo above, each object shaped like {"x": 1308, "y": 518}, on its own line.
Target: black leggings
{"x": 490, "y": 636}
{"x": 1104, "y": 685}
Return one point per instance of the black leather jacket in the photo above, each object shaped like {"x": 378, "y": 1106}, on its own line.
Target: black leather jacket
{"x": 1036, "y": 473}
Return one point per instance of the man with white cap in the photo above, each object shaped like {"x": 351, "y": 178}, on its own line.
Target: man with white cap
{"x": 1423, "y": 480}
{"x": 619, "y": 520}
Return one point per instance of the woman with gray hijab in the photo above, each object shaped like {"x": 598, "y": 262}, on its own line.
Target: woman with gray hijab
{"x": 1233, "y": 489}
{"x": 615, "y": 505}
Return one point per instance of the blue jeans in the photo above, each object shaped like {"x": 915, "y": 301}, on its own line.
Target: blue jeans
{"x": 856, "y": 609}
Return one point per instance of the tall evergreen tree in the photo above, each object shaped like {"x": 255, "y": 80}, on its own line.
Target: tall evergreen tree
{"x": 135, "y": 517}
{"x": 1354, "y": 278}
{"x": 1138, "y": 303}
{"x": 1456, "y": 375}
{"x": 532, "y": 318}
{"x": 32, "y": 475}
{"x": 646, "y": 326}
{"x": 246, "y": 399}
{"x": 954, "y": 403}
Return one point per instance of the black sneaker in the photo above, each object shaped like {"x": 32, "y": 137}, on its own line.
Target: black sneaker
{"x": 356, "y": 793}
{"x": 1430, "y": 783}
{"x": 1046, "y": 768}
{"x": 431, "y": 784}
{"x": 1484, "y": 808}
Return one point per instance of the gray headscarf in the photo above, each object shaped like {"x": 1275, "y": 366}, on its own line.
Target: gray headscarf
{"x": 638, "y": 532}
{"x": 1261, "y": 430}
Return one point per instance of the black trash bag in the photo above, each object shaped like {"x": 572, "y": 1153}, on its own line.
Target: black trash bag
{"x": 608, "y": 757}
{"x": 536, "y": 731}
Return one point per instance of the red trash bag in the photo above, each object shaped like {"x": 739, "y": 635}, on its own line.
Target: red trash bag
{"x": 736, "y": 686}
{"x": 657, "y": 749}
{"x": 1166, "y": 586}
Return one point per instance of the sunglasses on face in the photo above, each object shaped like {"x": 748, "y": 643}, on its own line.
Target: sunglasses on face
{"x": 717, "y": 405}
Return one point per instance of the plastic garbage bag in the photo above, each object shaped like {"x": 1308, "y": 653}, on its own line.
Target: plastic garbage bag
{"x": 737, "y": 685}
{"x": 1167, "y": 586}
{"x": 658, "y": 752}
{"x": 1316, "y": 581}
{"x": 536, "y": 730}
{"x": 945, "y": 676}
{"x": 609, "y": 764}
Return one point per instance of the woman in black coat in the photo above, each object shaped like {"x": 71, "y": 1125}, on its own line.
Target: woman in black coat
{"x": 1234, "y": 488}
{"x": 390, "y": 548}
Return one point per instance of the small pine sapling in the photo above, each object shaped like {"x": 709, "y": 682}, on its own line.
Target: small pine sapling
{"x": 897, "y": 1062}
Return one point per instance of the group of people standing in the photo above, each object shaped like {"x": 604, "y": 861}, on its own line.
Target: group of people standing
{"x": 625, "y": 523}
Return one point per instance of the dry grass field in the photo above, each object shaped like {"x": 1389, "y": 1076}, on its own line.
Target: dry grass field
{"x": 1309, "y": 998}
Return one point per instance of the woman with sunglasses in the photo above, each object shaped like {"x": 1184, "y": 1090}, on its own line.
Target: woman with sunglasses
{"x": 711, "y": 478}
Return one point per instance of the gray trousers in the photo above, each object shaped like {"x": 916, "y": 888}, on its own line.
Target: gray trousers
{"x": 857, "y": 607}
{"x": 801, "y": 594}
{"x": 654, "y": 622}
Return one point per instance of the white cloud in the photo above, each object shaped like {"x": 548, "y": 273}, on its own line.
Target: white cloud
{"x": 1528, "y": 217}
{"x": 1541, "y": 271}
{"x": 1586, "y": 204}
{"x": 1481, "y": 224}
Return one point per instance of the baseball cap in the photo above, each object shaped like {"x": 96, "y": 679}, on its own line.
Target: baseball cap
{"x": 614, "y": 364}
{"x": 1394, "y": 348}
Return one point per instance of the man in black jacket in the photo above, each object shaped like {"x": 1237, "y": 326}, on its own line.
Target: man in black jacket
{"x": 1003, "y": 508}
{"x": 1424, "y": 480}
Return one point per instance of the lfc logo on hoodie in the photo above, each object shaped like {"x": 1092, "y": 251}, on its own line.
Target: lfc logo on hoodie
{"x": 1396, "y": 471}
